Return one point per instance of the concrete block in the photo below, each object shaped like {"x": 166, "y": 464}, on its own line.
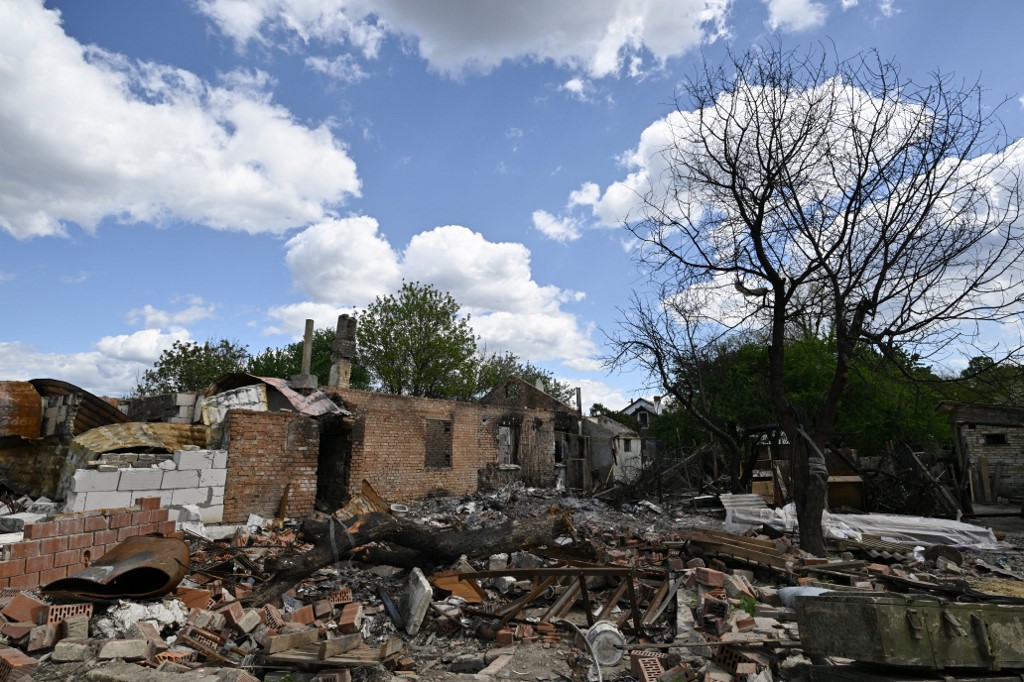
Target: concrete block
{"x": 198, "y": 496}
{"x": 167, "y": 465}
{"x": 193, "y": 459}
{"x": 220, "y": 459}
{"x": 87, "y": 481}
{"x": 174, "y": 480}
{"x": 75, "y": 502}
{"x": 15, "y": 523}
{"x": 140, "y": 479}
{"x": 163, "y": 495}
{"x": 415, "y": 601}
{"x": 213, "y": 477}
{"x": 213, "y": 513}
{"x": 107, "y": 499}
{"x": 71, "y": 651}
{"x": 127, "y": 649}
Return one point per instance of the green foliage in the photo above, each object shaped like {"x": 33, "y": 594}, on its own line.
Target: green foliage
{"x": 286, "y": 361}
{"x": 493, "y": 369}
{"x": 986, "y": 381}
{"x": 416, "y": 344}
{"x": 190, "y": 366}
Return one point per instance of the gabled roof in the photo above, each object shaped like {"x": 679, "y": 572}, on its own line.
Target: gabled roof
{"x": 615, "y": 428}
{"x": 639, "y": 404}
{"x": 516, "y": 392}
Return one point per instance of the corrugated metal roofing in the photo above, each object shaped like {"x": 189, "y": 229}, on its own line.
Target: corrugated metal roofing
{"x": 93, "y": 411}
{"x": 316, "y": 404}
{"x": 746, "y": 501}
{"x": 139, "y": 436}
{"x": 21, "y": 409}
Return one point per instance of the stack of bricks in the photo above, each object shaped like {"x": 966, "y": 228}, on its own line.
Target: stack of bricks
{"x": 192, "y": 477}
{"x": 267, "y": 451}
{"x": 68, "y": 543}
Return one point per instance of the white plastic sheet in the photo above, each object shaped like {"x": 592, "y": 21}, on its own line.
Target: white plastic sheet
{"x": 891, "y": 527}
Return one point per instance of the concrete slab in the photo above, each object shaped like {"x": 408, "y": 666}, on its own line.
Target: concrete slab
{"x": 141, "y": 479}
{"x": 87, "y": 481}
{"x": 415, "y": 601}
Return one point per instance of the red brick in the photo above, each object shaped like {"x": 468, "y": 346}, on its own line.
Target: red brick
{"x": 105, "y": 537}
{"x": 53, "y": 574}
{"x": 39, "y": 563}
{"x": 62, "y": 559}
{"x": 70, "y": 526}
{"x": 12, "y": 568}
{"x": 80, "y": 540}
{"x": 127, "y": 532}
{"x": 709, "y": 577}
{"x": 37, "y": 531}
{"x": 120, "y": 520}
{"x": 137, "y": 518}
{"x": 94, "y": 523}
{"x": 148, "y": 503}
{"x": 16, "y": 666}
{"x": 25, "y": 609}
{"x": 53, "y": 545}
{"x": 25, "y": 550}
{"x": 304, "y": 615}
{"x": 25, "y": 581}
{"x": 504, "y": 637}
{"x": 168, "y": 527}
{"x": 351, "y": 618}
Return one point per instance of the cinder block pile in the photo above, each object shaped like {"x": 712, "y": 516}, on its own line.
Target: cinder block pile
{"x": 192, "y": 477}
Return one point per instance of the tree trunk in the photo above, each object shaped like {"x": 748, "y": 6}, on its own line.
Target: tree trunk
{"x": 336, "y": 541}
{"x": 810, "y": 488}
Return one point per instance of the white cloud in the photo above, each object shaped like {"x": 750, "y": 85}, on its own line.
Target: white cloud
{"x": 77, "y": 278}
{"x": 89, "y": 134}
{"x": 93, "y": 371}
{"x": 291, "y": 319}
{"x": 577, "y": 87}
{"x": 6, "y": 276}
{"x": 592, "y": 391}
{"x": 455, "y": 37}
{"x": 343, "y": 262}
{"x": 848, "y": 4}
{"x": 564, "y": 229}
{"x": 887, "y": 8}
{"x": 143, "y": 346}
{"x": 342, "y": 68}
{"x": 150, "y": 316}
{"x": 795, "y": 15}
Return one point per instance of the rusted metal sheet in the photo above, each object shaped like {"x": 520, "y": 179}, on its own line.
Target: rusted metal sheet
{"x": 30, "y": 466}
{"x": 92, "y": 410}
{"x": 142, "y": 566}
{"x": 137, "y": 436}
{"x": 280, "y": 395}
{"x": 21, "y": 409}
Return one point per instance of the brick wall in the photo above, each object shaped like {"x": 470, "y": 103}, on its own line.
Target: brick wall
{"x": 1007, "y": 458}
{"x": 65, "y": 545}
{"x": 389, "y": 444}
{"x": 266, "y": 452}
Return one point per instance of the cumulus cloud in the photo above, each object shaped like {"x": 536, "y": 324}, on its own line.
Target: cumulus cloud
{"x": 796, "y": 15}
{"x": 455, "y": 37}
{"x": 560, "y": 229}
{"x": 343, "y": 265}
{"x": 143, "y": 346}
{"x": 577, "y": 87}
{"x": 93, "y": 371}
{"x": 88, "y": 134}
{"x": 342, "y": 68}
{"x": 150, "y": 316}
{"x": 344, "y": 262}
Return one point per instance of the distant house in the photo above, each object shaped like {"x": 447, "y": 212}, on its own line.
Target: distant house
{"x": 989, "y": 443}
{"x": 616, "y": 451}
{"x": 643, "y": 411}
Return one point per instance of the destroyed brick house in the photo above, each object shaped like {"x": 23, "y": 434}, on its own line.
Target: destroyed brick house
{"x": 988, "y": 442}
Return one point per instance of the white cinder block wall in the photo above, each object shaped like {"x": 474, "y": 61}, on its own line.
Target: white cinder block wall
{"x": 193, "y": 477}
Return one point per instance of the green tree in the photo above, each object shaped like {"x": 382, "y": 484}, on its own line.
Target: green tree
{"x": 494, "y": 368}
{"x": 191, "y": 366}
{"x": 415, "y": 343}
{"x": 286, "y": 361}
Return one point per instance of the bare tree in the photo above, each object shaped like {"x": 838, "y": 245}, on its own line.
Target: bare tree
{"x": 796, "y": 186}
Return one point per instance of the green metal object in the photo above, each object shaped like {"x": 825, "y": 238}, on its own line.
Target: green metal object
{"x": 922, "y": 633}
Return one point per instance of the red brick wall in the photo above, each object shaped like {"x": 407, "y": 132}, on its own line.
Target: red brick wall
{"x": 266, "y": 452}
{"x": 389, "y": 444}
{"x": 65, "y": 545}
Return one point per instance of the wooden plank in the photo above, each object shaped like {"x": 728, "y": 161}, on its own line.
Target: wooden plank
{"x": 339, "y": 645}
{"x": 292, "y": 640}
{"x": 749, "y": 555}
{"x": 986, "y": 490}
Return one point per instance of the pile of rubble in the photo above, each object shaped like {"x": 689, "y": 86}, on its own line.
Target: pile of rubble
{"x": 604, "y": 599}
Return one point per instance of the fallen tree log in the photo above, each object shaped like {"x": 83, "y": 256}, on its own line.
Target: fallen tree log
{"x": 335, "y": 541}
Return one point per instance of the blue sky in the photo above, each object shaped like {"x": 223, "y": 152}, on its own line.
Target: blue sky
{"x": 227, "y": 168}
